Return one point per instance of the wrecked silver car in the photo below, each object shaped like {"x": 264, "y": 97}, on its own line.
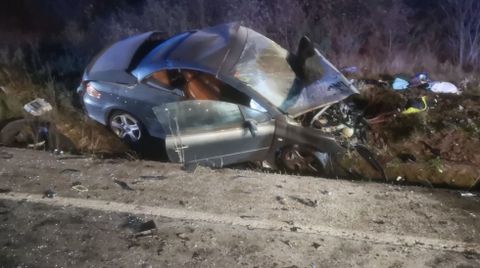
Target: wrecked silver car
{"x": 223, "y": 95}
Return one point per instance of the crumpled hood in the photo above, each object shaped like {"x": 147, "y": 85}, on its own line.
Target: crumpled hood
{"x": 330, "y": 87}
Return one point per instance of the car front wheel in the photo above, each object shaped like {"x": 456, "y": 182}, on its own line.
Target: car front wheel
{"x": 126, "y": 127}
{"x": 302, "y": 160}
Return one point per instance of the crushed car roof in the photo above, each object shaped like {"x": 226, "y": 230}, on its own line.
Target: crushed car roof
{"x": 231, "y": 52}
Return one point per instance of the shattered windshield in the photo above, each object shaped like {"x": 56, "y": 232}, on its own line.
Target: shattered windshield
{"x": 263, "y": 66}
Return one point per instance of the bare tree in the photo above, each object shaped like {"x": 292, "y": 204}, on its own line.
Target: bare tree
{"x": 463, "y": 18}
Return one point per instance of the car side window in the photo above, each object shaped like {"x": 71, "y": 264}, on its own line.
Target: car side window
{"x": 253, "y": 114}
{"x": 163, "y": 80}
{"x": 194, "y": 116}
{"x": 159, "y": 79}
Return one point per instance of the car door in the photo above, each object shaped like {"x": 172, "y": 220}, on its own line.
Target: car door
{"x": 215, "y": 133}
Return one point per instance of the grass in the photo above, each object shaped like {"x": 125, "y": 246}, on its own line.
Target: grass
{"x": 87, "y": 136}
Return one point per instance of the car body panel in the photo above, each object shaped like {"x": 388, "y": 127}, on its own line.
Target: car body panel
{"x": 111, "y": 64}
{"x": 236, "y": 54}
{"x": 138, "y": 100}
{"x": 214, "y": 133}
{"x": 213, "y": 50}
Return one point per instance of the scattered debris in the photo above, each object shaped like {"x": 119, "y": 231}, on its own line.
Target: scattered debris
{"x": 37, "y": 107}
{"x": 5, "y": 155}
{"x": 132, "y": 222}
{"x": 240, "y": 177}
{"x": 406, "y": 157}
{"x": 444, "y": 87}
{"x": 49, "y": 194}
{"x": 36, "y": 145}
{"x": 295, "y": 229}
{"x": 123, "y": 184}
{"x": 371, "y": 159}
{"x": 416, "y": 105}
{"x": 280, "y": 200}
{"x": 379, "y": 221}
{"x": 400, "y": 84}
{"x": 287, "y": 242}
{"x": 183, "y": 236}
{"x": 158, "y": 178}
{"x": 5, "y": 190}
{"x": 420, "y": 79}
{"x": 247, "y": 217}
{"x": 79, "y": 188}
{"x": 316, "y": 245}
{"x": 69, "y": 170}
{"x": 433, "y": 150}
{"x": 147, "y": 226}
{"x": 73, "y": 157}
{"x": 466, "y": 194}
{"x": 325, "y": 192}
{"x": 58, "y": 152}
{"x": 138, "y": 225}
{"x": 306, "y": 201}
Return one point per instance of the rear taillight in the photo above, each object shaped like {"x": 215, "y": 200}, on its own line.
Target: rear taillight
{"x": 92, "y": 92}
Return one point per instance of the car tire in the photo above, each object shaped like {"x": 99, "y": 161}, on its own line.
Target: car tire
{"x": 127, "y": 127}
{"x": 300, "y": 160}
{"x": 16, "y": 133}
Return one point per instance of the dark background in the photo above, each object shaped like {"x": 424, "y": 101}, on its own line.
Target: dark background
{"x": 58, "y": 37}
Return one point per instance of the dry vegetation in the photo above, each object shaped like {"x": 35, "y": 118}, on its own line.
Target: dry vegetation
{"x": 378, "y": 36}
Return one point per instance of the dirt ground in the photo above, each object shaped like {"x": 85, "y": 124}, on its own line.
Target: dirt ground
{"x": 74, "y": 211}
{"x": 437, "y": 147}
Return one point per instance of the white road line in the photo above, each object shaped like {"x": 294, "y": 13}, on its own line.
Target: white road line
{"x": 183, "y": 214}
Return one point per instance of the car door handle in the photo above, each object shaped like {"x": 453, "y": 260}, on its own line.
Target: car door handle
{"x": 180, "y": 148}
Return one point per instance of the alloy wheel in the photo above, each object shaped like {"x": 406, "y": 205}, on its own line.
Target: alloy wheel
{"x": 126, "y": 126}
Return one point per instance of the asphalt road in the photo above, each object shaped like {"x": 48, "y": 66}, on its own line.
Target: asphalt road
{"x": 64, "y": 211}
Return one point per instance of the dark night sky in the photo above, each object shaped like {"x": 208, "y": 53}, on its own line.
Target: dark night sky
{"x": 31, "y": 16}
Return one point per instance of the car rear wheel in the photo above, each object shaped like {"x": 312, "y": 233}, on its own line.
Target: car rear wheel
{"x": 126, "y": 127}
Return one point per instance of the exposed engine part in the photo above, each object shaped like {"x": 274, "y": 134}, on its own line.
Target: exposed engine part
{"x": 343, "y": 120}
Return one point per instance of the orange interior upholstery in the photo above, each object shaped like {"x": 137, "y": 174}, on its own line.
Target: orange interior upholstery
{"x": 201, "y": 86}
{"x": 162, "y": 77}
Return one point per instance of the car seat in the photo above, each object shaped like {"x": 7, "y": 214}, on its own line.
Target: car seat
{"x": 162, "y": 77}
{"x": 200, "y": 86}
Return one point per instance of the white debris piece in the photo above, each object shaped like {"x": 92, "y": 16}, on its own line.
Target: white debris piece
{"x": 444, "y": 87}
{"x": 468, "y": 194}
{"x": 37, "y": 107}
